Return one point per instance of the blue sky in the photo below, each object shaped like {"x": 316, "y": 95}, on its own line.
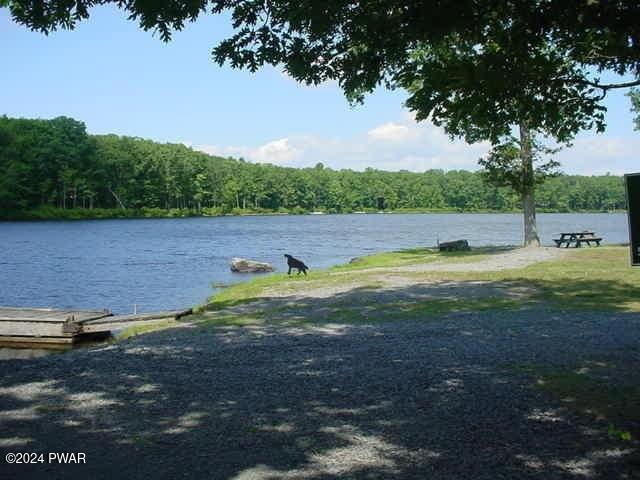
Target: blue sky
{"x": 119, "y": 79}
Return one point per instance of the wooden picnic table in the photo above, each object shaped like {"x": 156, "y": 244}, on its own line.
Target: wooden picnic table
{"x": 577, "y": 239}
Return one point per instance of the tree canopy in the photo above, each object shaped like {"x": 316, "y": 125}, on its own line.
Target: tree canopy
{"x": 55, "y": 163}
{"x": 363, "y": 44}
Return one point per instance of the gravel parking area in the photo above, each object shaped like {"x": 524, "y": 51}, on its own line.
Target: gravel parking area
{"x": 440, "y": 399}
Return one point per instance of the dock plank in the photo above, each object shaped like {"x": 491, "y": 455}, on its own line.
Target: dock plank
{"x": 175, "y": 314}
{"x": 33, "y": 329}
{"x": 44, "y": 315}
{"x": 66, "y": 323}
{"x": 124, "y": 321}
{"x": 30, "y": 342}
{"x": 45, "y": 322}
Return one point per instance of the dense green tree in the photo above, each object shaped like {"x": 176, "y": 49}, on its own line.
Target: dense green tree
{"x": 522, "y": 167}
{"x": 54, "y": 163}
{"x": 45, "y": 161}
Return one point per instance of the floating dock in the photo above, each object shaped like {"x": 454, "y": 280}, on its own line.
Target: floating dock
{"x": 41, "y": 327}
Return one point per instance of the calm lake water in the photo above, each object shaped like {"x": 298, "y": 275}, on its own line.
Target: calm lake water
{"x": 173, "y": 263}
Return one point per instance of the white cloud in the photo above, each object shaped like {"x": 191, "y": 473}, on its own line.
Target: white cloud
{"x": 599, "y": 154}
{"x": 392, "y": 132}
{"x": 400, "y": 145}
{"x": 405, "y": 144}
{"x": 278, "y": 152}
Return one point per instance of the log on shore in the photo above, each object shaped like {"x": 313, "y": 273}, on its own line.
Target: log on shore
{"x": 455, "y": 246}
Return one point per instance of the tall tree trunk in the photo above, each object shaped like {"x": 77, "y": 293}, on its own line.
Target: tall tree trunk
{"x": 116, "y": 197}
{"x": 531, "y": 238}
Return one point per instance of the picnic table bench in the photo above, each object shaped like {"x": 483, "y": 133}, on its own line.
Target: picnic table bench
{"x": 577, "y": 239}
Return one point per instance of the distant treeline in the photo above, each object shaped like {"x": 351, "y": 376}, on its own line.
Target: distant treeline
{"x": 51, "y": 165}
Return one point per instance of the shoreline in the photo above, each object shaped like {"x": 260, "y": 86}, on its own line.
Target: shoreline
{"x": 141, "y": 214}
{"x": 423, "y": 281}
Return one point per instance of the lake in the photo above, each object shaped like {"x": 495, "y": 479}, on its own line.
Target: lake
{"x": 173, "y": 263}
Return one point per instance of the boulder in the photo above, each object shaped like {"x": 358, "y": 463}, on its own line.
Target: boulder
{"x": 243, "y": 265}
{"x": 455, "y": 246}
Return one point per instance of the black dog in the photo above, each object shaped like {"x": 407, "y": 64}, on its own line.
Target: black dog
{"x": 295, "y": 263}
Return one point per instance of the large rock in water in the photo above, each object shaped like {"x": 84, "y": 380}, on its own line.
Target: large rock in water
{"x": 243, "y": 265}
{"x": 455, "y": 246}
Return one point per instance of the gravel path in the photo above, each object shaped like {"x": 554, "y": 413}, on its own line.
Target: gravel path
{"x": 516, "y": 258}
{"x": 393, "y": 278}
{"x": 511, "y": 258}
{"x": 417, "y": 400}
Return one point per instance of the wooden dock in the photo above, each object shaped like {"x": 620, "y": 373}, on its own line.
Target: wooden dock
{"x": 45, "y": 326}
{"x": 117, "y": 322}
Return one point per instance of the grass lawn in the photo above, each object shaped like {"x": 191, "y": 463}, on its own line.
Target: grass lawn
{"x": 140, "y": 329}
{"x": 408, "y": 257}
{"x": 588, "y": 278}
{"x": 355, "y": 272}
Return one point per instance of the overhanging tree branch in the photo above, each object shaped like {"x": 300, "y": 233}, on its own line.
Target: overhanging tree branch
{"x": 607, "y": 86}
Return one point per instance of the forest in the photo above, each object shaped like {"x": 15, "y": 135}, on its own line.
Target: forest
{"x": 55, "y": 169}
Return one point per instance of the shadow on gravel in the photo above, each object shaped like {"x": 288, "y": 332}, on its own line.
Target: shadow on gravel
{"x": 367, "y": 304}
{"x": 386, "y": 401}
{"x": 592, "y": 293}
